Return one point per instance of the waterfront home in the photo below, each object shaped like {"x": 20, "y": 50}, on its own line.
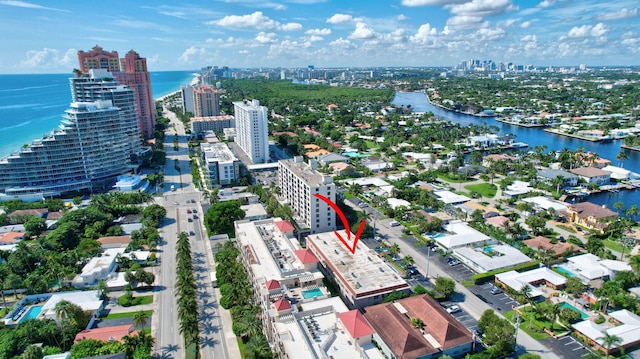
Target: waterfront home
{"x": 590, "y": 215}
{"x": 559, "y": 249}
{"x": 397, "y": 336}
{"x": 619, "y": 173}
{"x": 488, "y": 159}
{"x": 548, "y": 176}
{"x": 593, "y": 175}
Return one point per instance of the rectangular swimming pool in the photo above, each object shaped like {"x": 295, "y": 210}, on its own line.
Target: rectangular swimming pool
{"x": 31, "y": 314}
{"x": 564, "y": 271}
{"x": 567, "y": 305}
{"x": 311, "y": 293}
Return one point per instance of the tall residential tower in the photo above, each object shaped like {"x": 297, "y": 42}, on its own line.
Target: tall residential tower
{"x": 252, "y": 130}
{"x": 131, "y": 71}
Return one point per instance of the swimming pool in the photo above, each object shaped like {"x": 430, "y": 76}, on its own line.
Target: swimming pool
{"x": 487, "y": 249}
{"x": 31, "y": 314}
{"x": 567, "y": 305}
{"x": 311, "y": 293}
{"x": 355, "y": 154}
{"x": 565, "y": 271}
{"x": 439, "y": 235}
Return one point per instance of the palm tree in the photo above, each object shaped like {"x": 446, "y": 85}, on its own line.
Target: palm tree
{"x": 555, "y": 312}
{"x": 609, "y": 341}
{"x": 395, "y": 249}
{"x": 634, "y": 262}
{"x": 103, "y": 290}
{"x": 63, "y": 309}
{"x": 407, "y": 261}
{"x": 417, "y": 323}
{"x": 258, "y": 347}
{"x": 618, "y": 206}
{"x": 525, "y": 294}
{"x": 621, "y": 157}
{"x": 140, "y": 319}
{"x": 632, "y": 211}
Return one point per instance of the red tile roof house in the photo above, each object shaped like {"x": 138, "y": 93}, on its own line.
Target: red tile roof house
{"x": 593, "y": 175}
{"x": 398, "y": 338}
{"x": 11, "y": 238}
{"x": 590, "y": 215}
{"x": 106, "y": 334}
{"x": 22, "y": 215}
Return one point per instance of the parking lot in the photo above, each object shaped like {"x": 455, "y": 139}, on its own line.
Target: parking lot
{"x": 463, "y": 317}
{"x": 566, "y": 347}
{"x": 502, "y": 302}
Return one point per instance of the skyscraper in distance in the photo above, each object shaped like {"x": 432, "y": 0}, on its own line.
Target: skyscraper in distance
{"x": 252, "y": 133}
{"x": 130, "y": 71}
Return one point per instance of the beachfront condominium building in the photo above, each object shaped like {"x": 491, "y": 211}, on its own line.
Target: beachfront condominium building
{"x": 187, "y": 99}
{"x": 99, "y": 84}
{"x": 131, "y": 71}
{"x": 299, "y": 182}
{"x": 252, "y": 130}
{"x": 206, "y": 101}
{"x": 86, "y": 153}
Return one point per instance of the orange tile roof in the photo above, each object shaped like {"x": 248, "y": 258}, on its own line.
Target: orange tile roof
{"x": 281, "y": 305}
{"x": 106, "y": 334}
{"x": 355, "y": 323}
{"x": 273, "y": 284}
{"x": 306, "y": 256}
{"x": 403, "y": 339}
{"x": 284, "y": 226}
{"x": 29, "y": 212}
{"x": 541, "y": 242}
{"x": 11, "y": 237}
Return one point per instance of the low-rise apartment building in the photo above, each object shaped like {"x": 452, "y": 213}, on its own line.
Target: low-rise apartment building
{"x": 220, "y": 165}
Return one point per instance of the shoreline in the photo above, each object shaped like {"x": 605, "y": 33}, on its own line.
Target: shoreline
{"x": 560, "y": 133}
{"x": 527, "y": 125}
{"x": 194, "y": 81}
{"x": 454, "y": 111}
{"x": 637, "y": 149}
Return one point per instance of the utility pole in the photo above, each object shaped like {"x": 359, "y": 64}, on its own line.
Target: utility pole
{"x": 428, "y": 262}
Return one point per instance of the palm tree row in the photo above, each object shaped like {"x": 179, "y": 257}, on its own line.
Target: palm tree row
{"x": 236, "y": 292}
{"x": 186, "y": 292}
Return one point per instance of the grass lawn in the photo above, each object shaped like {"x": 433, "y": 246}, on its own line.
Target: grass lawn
{"x": 144, "y": 299}
{"x": 371, "y": 144}
{"x": 567, "y": 228}
{"x": 487, "y": 190}
{"x": 125, "y": 315}
{"x": 614, "y": 246}
{"x": 241, "y": 347}
{"x": 448, "y": 179}
{"x": 348, "y": 195}
{"x": 537, "y": 324}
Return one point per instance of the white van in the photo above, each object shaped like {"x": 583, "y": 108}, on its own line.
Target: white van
{"x": 394, "y": 223}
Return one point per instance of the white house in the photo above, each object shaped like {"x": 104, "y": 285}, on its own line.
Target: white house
{"x": 98, "y": 268}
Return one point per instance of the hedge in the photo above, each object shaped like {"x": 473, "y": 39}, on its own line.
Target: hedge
{"x": 487, "y": 276}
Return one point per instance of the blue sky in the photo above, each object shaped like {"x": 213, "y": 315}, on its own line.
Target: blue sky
{"x": 44, "y": 36}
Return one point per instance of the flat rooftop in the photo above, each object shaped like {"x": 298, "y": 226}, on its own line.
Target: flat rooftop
{"x": 218, "y": 152}
{"x": 212, "y": 118}
{"x": 363, "y": 272}
{"x": 449, "y": 197}
{"x": 274, "y": 255}
{"x": 304, "y": 171}
{"x": 499, "y": 256}
{"x": 461, "y": 234}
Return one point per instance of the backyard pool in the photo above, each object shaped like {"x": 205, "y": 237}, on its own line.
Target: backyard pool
{"x": 31, "y": 314}
{"x": 564, "y": 271}
{"x": 439, "y": 235}
{"x": 311, "y": 293}
{"x": 488, "y": 249}
{"x": 355, "y": 154}
{"x": 567, "y": 305}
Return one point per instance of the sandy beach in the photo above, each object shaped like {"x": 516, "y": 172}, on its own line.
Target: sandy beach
{"x": 194, "y": 81}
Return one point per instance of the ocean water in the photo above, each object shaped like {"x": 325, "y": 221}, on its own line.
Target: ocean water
{"x": 32, "y": 105}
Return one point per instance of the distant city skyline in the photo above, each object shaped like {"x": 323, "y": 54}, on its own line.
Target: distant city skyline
{"x": 44, "y": 37}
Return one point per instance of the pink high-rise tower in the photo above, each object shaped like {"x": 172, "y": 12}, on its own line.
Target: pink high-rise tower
{"x": 130, "y": 71}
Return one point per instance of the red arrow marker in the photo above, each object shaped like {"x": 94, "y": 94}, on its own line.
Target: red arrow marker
{"x": 344, "y": 223}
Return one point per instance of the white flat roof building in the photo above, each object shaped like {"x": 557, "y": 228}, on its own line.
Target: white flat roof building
{"x": 589, "y": 267}
{"x": 384, "y": 186}
{"x": 87, "y": 300}
{"x": 516, "y": 280}
{"x": 546, "y": 203}
{"x": 628, "y": 330}
{"x": 363, "y": 277}
{"x": 221, "y": 166}
{"x": 463, "y": 235}
{"x": 492, "y": 257}
{"x": 449, "y": 197}
{"x": 98, "y": 268}
{"x": 299, "y": 183}
{"x": 252, "y": 133}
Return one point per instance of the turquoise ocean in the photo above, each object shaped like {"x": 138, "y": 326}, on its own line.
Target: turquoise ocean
{"x": 32, "y": 105}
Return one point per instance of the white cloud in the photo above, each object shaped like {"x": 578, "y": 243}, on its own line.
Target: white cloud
{"x": 188, "y": 54}
{"x": 318, "y": 32}
{"x": 138, "y": 24}
{"x": 483, "y": 8}
{"x": 257, "y": 20}
{"x": 292, "y": 26}
{"x": 342, "y": 19}
{"x": 525, "y": 25}
{"x": 617, "y": 15}
{"x": 178, "y": 14}
{"x": 341, "y": 43}
{"x": 49, "y": 57}
{"x": 431, "y": 2}
{"x": 546, "y": 3}
{"x": 28, "y": 5}
{"x": 464, "y": 21}
{"x": 598, "y": 30}
{"x": 362, "y": 32}
{"x": 266, "y": 38}
{"x": 488, "y": 34}
{"x": 425, "y": 33}
{"x": 314, "y": 38}
{"x": 402, "y": 17}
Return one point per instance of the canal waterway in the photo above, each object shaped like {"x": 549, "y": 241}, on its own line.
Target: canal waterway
{"x": 536, "y": 137}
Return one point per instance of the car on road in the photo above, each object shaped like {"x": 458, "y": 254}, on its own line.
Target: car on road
{"x": 453, "y": 309}
{"x": 188, "y": 211}
{"x": 394, "y": 223}
{"x": 378, "y": 238}
{"x": 482, "y": 298}
{"x": 191, "y": 233}
{"x": 561, "y": 239}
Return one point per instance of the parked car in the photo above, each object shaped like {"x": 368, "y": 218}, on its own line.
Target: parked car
{"x": 454, "y": 262}
{"x": 496, "y": 290}
{"x": 188, "y": 211}
{"x": 453, "y": 309}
